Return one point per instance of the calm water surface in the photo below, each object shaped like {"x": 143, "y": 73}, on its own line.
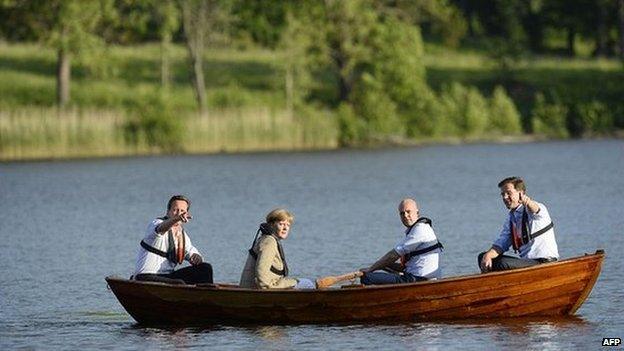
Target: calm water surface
{"x": 67, "y": 225}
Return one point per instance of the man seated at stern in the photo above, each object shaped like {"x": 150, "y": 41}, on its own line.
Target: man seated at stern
{"x": 527, "y": 228}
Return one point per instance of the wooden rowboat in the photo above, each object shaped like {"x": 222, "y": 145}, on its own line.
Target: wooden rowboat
{"x": 550, "y": 289}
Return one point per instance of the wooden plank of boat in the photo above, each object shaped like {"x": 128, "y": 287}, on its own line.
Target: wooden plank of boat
{"x": 551, "y": 289}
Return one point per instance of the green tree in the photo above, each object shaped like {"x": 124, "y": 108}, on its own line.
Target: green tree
{"x": 575, "y": 17}
{"x": 621, "y": 27}
{"x": 504, "y": 116}
{"x": 467, "y": 110}
{"x": 68, "y": 26}
{"x": 264, "y": 20}
{"x": 294, "y": 44}
{"x": 205, "y": 22}
{"x": 549, "y": 118}
{"x": 347, "y": 29}
{"x": 438, "y": 17}
{"x": 167, "y": 15}
{"x": 376, "y": 59}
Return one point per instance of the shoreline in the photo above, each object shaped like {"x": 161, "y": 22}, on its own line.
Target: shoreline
{"x": 380, "y": 145}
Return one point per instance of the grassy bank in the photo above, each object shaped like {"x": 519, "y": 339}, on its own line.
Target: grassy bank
{"x": 569, "y": 82}
{"x": 112, "y": 91}
{"x": 46, "y": 133}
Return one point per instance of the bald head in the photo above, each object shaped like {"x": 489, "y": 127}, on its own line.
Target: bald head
{"x": 408, "y": 211}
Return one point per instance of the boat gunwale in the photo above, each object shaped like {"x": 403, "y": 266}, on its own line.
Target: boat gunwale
{"x": 599, "y": 254}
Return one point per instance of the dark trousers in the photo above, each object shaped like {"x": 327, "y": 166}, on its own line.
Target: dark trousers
{"x": 380, "y": 278}
{"x": 202, "y": 273}
{"x": 504, "y": 262}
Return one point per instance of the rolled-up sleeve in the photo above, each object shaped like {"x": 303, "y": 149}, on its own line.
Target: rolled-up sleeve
{"x": 541, "y": 214}
{"x": 407, "y": 245}
{"x": 151, "y": 228}
{"x": 420, "y": 236}
{"x": 503, "y": 241}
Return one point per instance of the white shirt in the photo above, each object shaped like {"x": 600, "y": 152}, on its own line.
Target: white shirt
{"x": 148, "y": 262}
{"x": 544, "y": 246}
{"x": 418, "y": 237}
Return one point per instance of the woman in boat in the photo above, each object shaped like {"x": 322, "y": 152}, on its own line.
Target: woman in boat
{"x": 266, "y": 266}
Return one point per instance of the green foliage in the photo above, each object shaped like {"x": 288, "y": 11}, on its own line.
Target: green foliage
{"x": 549, "y": 118}
{"x": 372, "y": 103}
{"x": 506, "y": 53}
{"x": 154, "y": 123}
{"x": 130, "y": 22}
{"x": 504, "y": 116}
{"x": 397, "y": 61}
{"x": 347, "y": 27}
{"x": 425, "y": 117}
{"x": 595, "y": 118}
{"x": 351, "y": 129}
{"x": 439, "y": 18}
{"x": 229, "y": 96}
{"x": 467, "y": 110}
{"x": 264, "y": 20}
{"x": 383, "y": 76}
{"x": 68, "y": 27}
{"x": 295, "y": 43}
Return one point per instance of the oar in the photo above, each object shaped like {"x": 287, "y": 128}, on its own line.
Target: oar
{"x": 326, "y": 282}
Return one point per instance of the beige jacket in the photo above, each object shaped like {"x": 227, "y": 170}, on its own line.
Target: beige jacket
{"x": 257, "y": 274}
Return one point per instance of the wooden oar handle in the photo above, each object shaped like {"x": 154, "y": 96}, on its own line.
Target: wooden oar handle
{"x": 328, "y": 281}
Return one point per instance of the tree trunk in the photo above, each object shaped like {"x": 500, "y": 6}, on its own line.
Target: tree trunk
{"x": 621, "y": 11}
{"x": 535, "y": 30}
{"x": 194, "y": 22}
{"x": 165, "y": 75}
{"x": 198, "y": 80}
{"x": 290, "y": 89}
{"x": 468, "y": 11}
{"x": 570, "y": 40}
{"x": 63, "y": 76}
{"x": 601, "y": 33}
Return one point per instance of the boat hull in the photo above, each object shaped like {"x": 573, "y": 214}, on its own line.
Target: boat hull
{"x": 551, "y": 289}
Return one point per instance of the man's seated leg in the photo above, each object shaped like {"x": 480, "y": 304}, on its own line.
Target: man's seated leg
{"x": 202, "y": 273}
{"x": 380, "y": 278}
{"x": 410, "y": 278}
{"x": 504, "y": 262}
{"x": 159, "y": 278}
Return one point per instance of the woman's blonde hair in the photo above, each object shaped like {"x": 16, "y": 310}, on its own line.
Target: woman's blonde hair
{"x": 278, "y": 215}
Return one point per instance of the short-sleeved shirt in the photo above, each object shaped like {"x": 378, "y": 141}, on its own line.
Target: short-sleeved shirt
{"x": 418, "y": 237}
{"x": 148, "y": 262}
{"x": 544, "y": 246}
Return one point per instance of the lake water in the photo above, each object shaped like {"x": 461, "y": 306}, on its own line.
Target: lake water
{"x": 67, "y": 225}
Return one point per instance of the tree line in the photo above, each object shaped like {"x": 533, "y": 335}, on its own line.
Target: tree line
{"x": 369, "y": 51}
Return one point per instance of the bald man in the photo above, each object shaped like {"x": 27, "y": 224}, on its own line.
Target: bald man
{"x": 419, "y": 252}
